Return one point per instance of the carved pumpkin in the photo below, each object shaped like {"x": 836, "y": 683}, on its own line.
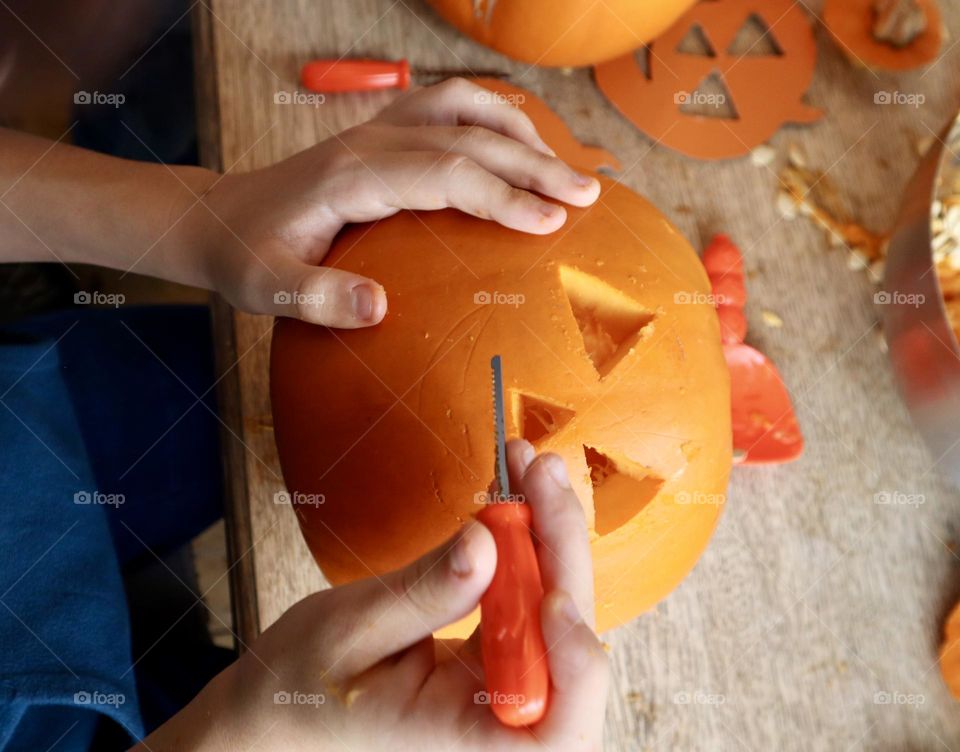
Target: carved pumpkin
{"x": 563, "y": 32}
{"x": 765, "y": 90}
{"x": 950, "y": 652}
{"x": 612, "y": 358}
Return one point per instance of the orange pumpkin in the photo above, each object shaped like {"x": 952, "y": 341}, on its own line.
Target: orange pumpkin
{"x": 612, "y": 358}
{"x": 562, "y": 32}
{"x": 950, "y": 652}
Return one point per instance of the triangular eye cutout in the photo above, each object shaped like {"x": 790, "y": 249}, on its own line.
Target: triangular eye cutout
{"x": 642, "y": 56}
{"x": 610, "y": 322}
{"x": 754, "y": 38}
{"x": 695, "y": 42}
{"x": 710, "y": 99}
{"x": 621, "y": 489}
{"x": 537, "y": 418}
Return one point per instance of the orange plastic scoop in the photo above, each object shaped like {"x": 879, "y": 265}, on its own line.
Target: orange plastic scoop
{"x": 765, "y": 428}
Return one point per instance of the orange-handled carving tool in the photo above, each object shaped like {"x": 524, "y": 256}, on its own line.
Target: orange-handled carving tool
{"x": 514, "y": 653}
{"x": 338, "y": 76}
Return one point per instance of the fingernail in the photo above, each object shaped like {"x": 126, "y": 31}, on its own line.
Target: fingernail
{"x": 362, "y": 302}
{"x": 461, "y": 563}
{"x": 548, "y": 210}
{"x": 557, "y": 470}
{"x": 368, "y": 304}
{"x": 583, "y": 180}
{"x": 526, "y": 456}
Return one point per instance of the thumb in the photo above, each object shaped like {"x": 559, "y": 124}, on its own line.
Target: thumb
{"x": 403, "y": 607}
{"x": 316, "y": 294}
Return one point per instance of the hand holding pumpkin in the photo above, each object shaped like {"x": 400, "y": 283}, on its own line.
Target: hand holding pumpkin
{"x": 451, "y": 145}
{"x": 356, "y": 666}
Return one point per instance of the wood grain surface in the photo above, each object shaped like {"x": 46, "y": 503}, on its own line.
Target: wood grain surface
{"x": 812, "y": 621}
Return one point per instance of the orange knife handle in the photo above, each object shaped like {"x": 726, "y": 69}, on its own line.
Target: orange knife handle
{"x": 514, "y": 653}
{"x": 724, "y": 264}
{"x": 337, "y": 76}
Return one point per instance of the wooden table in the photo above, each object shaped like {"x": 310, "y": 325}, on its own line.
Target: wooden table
{"x": 811, "y": 599}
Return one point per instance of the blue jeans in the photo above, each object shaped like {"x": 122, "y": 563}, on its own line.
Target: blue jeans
{"x": 109, "y": 460}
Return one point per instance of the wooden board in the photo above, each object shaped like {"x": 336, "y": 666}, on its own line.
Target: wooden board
{"x": 813, "y": 604}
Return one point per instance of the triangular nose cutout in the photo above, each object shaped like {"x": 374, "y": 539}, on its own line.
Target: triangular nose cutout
{"x": 710, "y": 99}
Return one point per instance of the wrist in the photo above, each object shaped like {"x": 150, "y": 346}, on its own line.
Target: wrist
{"x": 194, "y": 232}
{"x": 210, "y": 722}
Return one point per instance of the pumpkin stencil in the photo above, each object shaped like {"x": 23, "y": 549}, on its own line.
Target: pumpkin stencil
{"x": 765, "y": 90}
{"x": 612, "y": 359}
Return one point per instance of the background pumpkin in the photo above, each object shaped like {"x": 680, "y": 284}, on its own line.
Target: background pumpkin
{"x": 561, "y": 32}
{"x": 612, "y": 358}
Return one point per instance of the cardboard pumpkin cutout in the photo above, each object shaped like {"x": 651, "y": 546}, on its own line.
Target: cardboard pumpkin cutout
{"x": 612, "y": 358}
{"x": 762, "y": 85}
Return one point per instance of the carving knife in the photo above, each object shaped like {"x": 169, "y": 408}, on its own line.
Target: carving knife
{"x": 514, "y": 653}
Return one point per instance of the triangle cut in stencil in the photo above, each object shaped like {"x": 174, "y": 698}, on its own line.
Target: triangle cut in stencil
{"x": 642, "y": 56}
{"x": 695, "y": 42}
{"x": 621, "y": 489}
{"x": 710, "y": 99}
{"x": 537, "y": 418}
{"x": 610, "y": 321}
{"x": 754, "y": 38}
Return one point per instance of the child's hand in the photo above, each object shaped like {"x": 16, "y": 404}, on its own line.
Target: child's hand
{"x": 449, "y": 145}
{"x": 356, "y": 667}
